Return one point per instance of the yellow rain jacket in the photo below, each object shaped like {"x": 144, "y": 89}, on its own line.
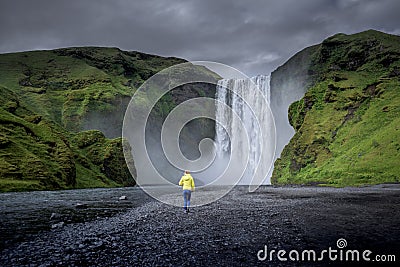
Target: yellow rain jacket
{"x": 187, "y": 182}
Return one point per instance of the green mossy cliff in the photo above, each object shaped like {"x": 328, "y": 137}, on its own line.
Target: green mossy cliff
{"x": 348, "y": 122}
{"x": 80, "y": 88}
{"x": 58, "y": 110}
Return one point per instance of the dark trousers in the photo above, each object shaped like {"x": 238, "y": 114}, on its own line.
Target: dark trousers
{"x": 186, "y": 198}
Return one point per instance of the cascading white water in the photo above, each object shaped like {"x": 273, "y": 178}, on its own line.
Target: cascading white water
{"x": 254, "y": 114}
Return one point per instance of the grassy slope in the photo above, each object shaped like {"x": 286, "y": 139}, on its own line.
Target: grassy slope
{"x": 77, "y": 80}
{"x": 45, "y": 96}
{"x": 348, "y": 123}
{"x": 33, "y": 154}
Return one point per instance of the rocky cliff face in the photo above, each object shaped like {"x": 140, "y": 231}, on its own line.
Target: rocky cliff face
{"x": 289, "y": 83}
{"x": 58, "y": 108}
{"x": 346, "y": 124}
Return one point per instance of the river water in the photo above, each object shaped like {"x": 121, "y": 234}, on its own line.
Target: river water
{"x": 23, "y": 214}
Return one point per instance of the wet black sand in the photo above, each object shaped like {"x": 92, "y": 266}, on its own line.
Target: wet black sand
{"x": 228, "y": 232}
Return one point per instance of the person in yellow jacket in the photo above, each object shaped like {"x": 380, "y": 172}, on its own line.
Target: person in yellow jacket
{"x": 187, "y": 183}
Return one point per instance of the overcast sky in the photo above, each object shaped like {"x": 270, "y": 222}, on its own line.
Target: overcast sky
{"x": 255, "y": 36}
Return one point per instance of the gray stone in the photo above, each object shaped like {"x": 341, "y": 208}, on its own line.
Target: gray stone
{"x": 57, "y": 225}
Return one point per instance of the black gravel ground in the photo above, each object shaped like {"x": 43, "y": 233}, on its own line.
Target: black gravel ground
{"x": 228, "y": 232}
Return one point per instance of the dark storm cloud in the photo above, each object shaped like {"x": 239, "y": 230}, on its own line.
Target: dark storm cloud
{"x": 254, "y": 36}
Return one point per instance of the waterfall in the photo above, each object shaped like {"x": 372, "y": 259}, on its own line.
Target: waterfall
{"x": 244, "y": 97}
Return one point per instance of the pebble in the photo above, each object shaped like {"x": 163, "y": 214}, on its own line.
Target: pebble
{"x": 57, "y": 225}
{"x": 81, "y": 206}
{"x": 54, "y": 216}
{"x": 229, "y": 236}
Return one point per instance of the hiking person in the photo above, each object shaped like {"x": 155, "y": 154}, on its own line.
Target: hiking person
{"x": 187, "y": 183}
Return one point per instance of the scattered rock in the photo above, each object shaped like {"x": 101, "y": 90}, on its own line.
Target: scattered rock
{"x": 81, "y": 206}
{"x": 57, "y": 225}
{"x": 229, "y": 236}
{"x": 54, "y": 216}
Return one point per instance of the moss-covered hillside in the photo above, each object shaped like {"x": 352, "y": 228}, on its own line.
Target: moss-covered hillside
{"x": 80, "y": 88}
{"x": 48, "y": 102}
{"x": 348, "y": 123}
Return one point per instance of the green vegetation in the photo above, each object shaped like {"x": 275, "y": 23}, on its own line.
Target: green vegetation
{"x": 36, "y": 154}
{"x": 48, "y": 99}
{"x": 348, "y": 123}
{"x": 103, "y": 155}
{"x": 64, "y": 85}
